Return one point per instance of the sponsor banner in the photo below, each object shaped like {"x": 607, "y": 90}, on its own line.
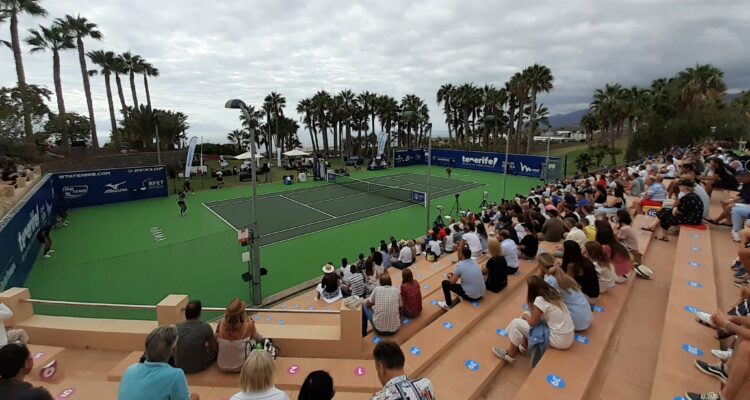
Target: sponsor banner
{"x": 531, "y": 166}
{"x": 190, "y": 155}
{"x": 90, "y": 188}
{"x": 18, "y": 229}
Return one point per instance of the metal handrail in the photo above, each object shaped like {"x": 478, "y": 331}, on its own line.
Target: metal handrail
{"x": 61, "y": 303}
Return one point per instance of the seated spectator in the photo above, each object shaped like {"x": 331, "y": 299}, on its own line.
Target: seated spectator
{"x": 625, "y": 232}
{"x": 570, "y": 291}
{"x": 11, "y": 335}
{"x": 458, "y": 233}
{"x": 471, "y": 288}
{"x": 378, "y": 263}
{"x": 575, "y": 233}
{"x": 553, "y": 228}
{"x": 529, "y": 243}
{"x": 719, "y": 177}
{"x": 197, "y": 347}
{"x": 15, "y": 364}
{"x": 433, "y": 246}
{"x": 483, "y": 237}
{"x": 233, "y": 333}
{"x": 394, "y": 249}
{"x": 688, "y": 210}
{"x": 354, "y": 285}
{"x": 653, "y": 197}
{"x": 617, "y": 253}
{"x": 256, "y": 378}
{"x": 382, "y": 308}
{"x": 636, "y": 186}
{"x": 544, "y": 305}
{"x": 155, "y": 379}
{"x": 329, "y": 287}
{"x": 613, "y": 203}
{"x": 371, "y": 277}
{"x": 496, "y": 269}
{"x": 405, "y": 256}
{"x": 509, "y": 250}
{"x": 605, "y": 271}
{"x": 411, "y": 295}
{"x": 389, "y": 364}
{"x": 386, "y": 255}
{"x": 471, "y": 239}
{"x": 345, "y": 270}
{"x": 589, "y": 229}
{"x": 581, "y": 269}
{"x": 448, "y": 243}
{"x": 317, "y": 386}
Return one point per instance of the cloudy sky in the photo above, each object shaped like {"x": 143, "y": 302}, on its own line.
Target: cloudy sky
{"x": 210, "y": 51}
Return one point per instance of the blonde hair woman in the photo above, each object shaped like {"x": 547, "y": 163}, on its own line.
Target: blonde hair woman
{"x": 496, "y": 269}
{"x": 569, "y": 290}
{"x": 233, "y": 333}
{"x": 256, "y": 378}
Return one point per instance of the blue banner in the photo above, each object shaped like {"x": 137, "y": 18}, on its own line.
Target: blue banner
{"x": 523, "y": 165}
{"x": 91, "y": 188}
{"x": 18, "y": 229}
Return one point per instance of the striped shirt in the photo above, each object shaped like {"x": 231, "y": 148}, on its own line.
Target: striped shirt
{"x": 357, "y": 282}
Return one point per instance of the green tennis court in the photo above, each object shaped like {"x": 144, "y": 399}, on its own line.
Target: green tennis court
{"x": 291, "y": 214}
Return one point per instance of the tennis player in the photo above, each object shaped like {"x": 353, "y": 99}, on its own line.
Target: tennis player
{"x": 181, "y": 203}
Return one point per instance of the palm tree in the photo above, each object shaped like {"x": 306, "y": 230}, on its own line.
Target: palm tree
{"x": 348, "y": 102}
{"x": 700, "y": 85}
{"x": 367, "y": 101}
{"x": 445, "y": 96}
{"x": 466, "y": 96}
{"x": 608, "y": 107}
{"x": 133, "y": 65}
{"x": 237, "y": 137}
{"x": 56, "y": 39}
{"x": 519, "y": 85}
{"x": 273, "y": 105}
{"x": 388, "y": 112}
{"x": 120, "y": 67}
{"x": 81, "y": 28}
{"x": 539, "y": 78}
{"x": 148, "y": 70}
{"x": 105, "y": 60}
{"x": 321, "y": 105}
{"x": 589, "y": 124}
{"x": 11, "y": 9}
{"x": 305, "y": 107}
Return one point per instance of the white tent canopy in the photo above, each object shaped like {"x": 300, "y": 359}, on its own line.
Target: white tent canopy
{"x": 247, "y": 156}
{"x": 296, "y": 153}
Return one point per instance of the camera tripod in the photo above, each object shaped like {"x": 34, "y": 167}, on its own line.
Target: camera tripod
{"x": 439, "y": 219}
{"x": 456, "y": 206}
{"x": 484, "y": 204}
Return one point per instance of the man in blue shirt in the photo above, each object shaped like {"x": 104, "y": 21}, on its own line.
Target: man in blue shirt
{"x": 471, "y": 288}
{"x": 155, "y": 379}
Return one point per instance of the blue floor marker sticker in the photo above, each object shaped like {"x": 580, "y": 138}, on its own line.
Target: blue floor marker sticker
{"x": 448, "y": 325}
{"x": 425, "y": 287}
{"x": 434, "y": 302}
{"x": 555, "y": 381}
{"x": 472, "y": 365}
{"x": 695, "y": 248}
{"x": 475, "y": 304}
{"x": 268, "y": 318}
{"x": 582, "y": 339}
{"x": 501, "y": 332}
{"x": 598, "y": 309}
{"x": 281, "y": 322}
{"x": 405, "y": 321}
{"x": 257, "y": 317}
{"x": 694, "y": 284}
{"x": 691, "y": 309}
{"x": 311, "y": 308}
{"x": 283, "y": 306}
{"x": 525, "y": 307}
{"x": 692, "y": 350}
{"x": 694, "y": 264}
{"x": 415, "y": 351}
{"x": 377, "y": 340}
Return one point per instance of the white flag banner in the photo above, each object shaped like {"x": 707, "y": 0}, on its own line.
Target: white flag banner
{"x": 382, "y": 140}
{"x": 190, "y": 155}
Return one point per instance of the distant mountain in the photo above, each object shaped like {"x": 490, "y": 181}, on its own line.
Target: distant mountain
{"x": 571, "y": 118}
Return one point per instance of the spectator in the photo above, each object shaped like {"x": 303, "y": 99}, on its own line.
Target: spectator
{"x": 355, "y": 283}
{"x": 371, "y": 277}
{"x": 15, "y": 364}
{"x": 345, "y": 270}
{"x": 575, "y": 233}
{"x": 529, "y": 244}
{"x": 742, "y": 200}
{"x": 448, "y": 242}
{"x": 411, "y": 295}
{"x": 361, "y": 262}
{"x": 719, "y": 177}
{"x": 233, "y": 333}
{"x": 317, "y": 386}
{"x": 496, "y": 269}
{"x": 382, "y": 308}
{"x": 405, "y": 256}
{"x": 570, "y": 291}
{"x": 471, "y": 239}
{"x": 617, "y": 253}
{"x": 389, "y": 363}
{"x": 256, "y": 378}
{"x": 653, "y": 197}
{"x": 197, "y": 347}
{"x": 386, "y": 255}
{"x": 553, "y": 228}
{"x": 544, "y": 305}
{"x": 329, "y": 287}
{"x": 155, "y": 378}
{"x": 589, "y": 229}
{"x": 458, "y": 233}
{"x": 605, "y": 271}
{"x": 378, "y": 263}
{"x": 433, "y": 246}
{"x": 509, "y": 251}
{"x": 10, "y": 335}
{"x": 636, "y": 185}
{"x": 688, "y": 210}
{"x": 472, "y": 286}
{"x": 581, "y": 269}
{"x": 394, "y": 249}
{"x": 625, "y": 232}
{"x": 482, "y": 233}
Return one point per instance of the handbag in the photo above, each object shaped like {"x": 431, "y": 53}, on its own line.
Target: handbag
{"x": 266, "y": 344}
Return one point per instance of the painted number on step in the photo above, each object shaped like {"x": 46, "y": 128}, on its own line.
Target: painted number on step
{"x": 501, "y": 332}
{"x": 448, "y": 325}
{"x": 359, "y": 371}
{"x": 48, "y": 371}
{"x": 692, "y": 350}
{"x": 472, "y": 365}
{"x": 691, "y": 309}
{"x": 377, "y": 340}
{"x": 66, "y": 393}
{"x": 38, "y": 355}
{"x": 695, "y": 248}
{"x": 415, "y": 351}
{"x": 555, "y": 381}
{"x": 694, "y": 284}
{"x": 475, "y": 304}
{"x": 293, "y": 369}
{"x": 598, "y": 309}
{"x": 694, "y": 264}
{"x": 582, "y": 339}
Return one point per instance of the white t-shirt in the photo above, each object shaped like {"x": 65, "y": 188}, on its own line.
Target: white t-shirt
{"x": 435, "y": 247}
{"x": 472, "y": 239}
{"x": 405, "y": 255}
{"x": 448, "y": 244}
{"x": 577, "y": 236}
{"x": 270, "y": 394}
{"x": 5, "y": 313}
{"x": 670, "y": 171}
{"x": 561, "y": 330}
{"x": 510, "y": 252}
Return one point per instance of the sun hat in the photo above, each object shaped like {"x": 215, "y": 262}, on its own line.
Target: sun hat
{"x": 402, "y": 242}
{"x": 644, "y": 272}
{"x": 328, "y": 268}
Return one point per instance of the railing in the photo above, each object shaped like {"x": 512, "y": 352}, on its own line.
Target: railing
{"x": 60, "y": 303}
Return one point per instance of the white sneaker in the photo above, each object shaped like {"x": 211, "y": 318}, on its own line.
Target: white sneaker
{"x": 444, "y": 305}
{"x": 48, "y": 255}
{"x": 722, "y": 355}
{"x": 705, "y": 317}
{"x": 736, "y": 236}
{"x": 51, "y": 251}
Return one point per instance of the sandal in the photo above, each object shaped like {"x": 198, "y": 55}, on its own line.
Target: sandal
{"x": 663, "y": 239}
{"x": 644, "y": 228}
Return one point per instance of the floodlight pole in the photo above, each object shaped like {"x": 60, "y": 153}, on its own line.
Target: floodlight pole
{"x": 505, "y": 164}
{"x": 428, "y": 196}
{"x": 546, "y": 159}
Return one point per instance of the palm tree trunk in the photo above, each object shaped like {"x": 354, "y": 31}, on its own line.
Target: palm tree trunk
{"x": 348, "y": 146}
{"x": 17, "y": 56}
{"x": 87, "y": 91}
{"x": 324, "y": 132}
{"x": 58, "y": 93}
{"x": 111, "y": 105}
{"x": 148, "y": 94}
{"x": 532, "y": 131}
{"x": 120, "y": 94}
{"x": 519, "y": 125}
{"x": 466, "y": 127}
{"x": 132, "y": 89}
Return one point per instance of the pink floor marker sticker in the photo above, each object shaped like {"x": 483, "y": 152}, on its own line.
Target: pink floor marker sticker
{"x": 293, "y": 369}
{"x": 67, "y": 393}
{"x": 359, "y": 371}
{"x": 38, "y": 355}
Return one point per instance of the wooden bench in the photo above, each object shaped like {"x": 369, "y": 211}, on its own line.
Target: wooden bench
{"x": 684, "y": 340}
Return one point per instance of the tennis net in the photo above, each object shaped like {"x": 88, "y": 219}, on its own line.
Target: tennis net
{"x": 390, "y": 192}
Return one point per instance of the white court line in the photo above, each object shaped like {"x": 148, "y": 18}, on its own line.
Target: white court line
{"x": 268, "y": 195}
{"x": 220, "y": 217}
{"x": 305, "y": 205}
{"x": 337, "y": 198}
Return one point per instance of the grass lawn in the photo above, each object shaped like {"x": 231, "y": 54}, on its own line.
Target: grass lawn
{"x": 573, "y": 151}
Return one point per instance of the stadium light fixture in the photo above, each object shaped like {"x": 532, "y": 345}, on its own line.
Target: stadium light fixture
{"x": 254, "y": 263}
